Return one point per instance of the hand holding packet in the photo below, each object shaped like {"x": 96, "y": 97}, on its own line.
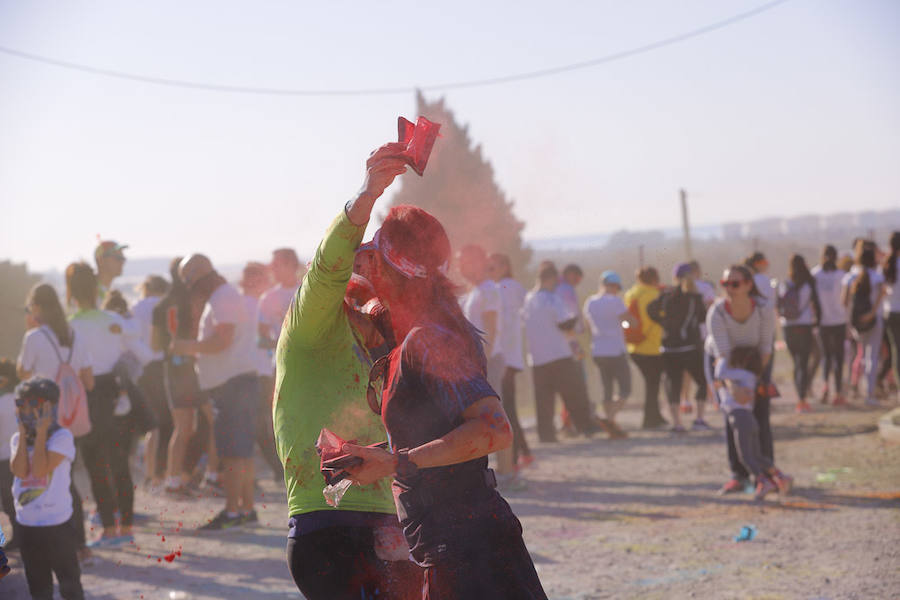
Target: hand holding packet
{"x": 418, "y": 139}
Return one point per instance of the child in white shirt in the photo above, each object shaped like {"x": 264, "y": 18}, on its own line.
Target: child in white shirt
{"x": 42, "y": 454}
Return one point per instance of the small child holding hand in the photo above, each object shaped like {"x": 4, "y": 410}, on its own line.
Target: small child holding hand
{"x": 42, "y": 454}
{"x": 741, "y": 375}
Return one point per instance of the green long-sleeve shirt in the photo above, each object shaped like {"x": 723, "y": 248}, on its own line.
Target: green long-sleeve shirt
{"x": 321, "y": 376}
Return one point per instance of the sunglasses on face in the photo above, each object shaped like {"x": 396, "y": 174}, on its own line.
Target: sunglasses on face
{"x": 376, "y": 380}
{"x": 731, "y": 283}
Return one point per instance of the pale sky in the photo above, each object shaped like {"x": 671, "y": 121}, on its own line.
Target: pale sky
{"x": 789, "y": 112}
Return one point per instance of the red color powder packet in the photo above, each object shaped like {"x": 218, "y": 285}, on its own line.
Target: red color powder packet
{"x": 419, "y": 140}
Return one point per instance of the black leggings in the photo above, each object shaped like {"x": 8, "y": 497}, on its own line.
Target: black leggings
{"x": 508, "y": 396}
{"x": 676, "y": 363}
{"x": 339, "y": 563}
{"x": 651, "y": 368}
{"x": 833, "y": 337}
{"x": 49, "y": 550}
{"x": 799, "y": 340}
{"x": 892, "y": 326}
{"x": 105, "y": 453}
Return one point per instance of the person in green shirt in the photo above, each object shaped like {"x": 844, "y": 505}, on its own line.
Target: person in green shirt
{"x": 355, "y": 550}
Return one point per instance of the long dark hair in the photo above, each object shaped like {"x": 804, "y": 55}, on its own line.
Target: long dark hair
{"x": 829, "y": 258}
{"x": 747, "y": 274}
{"x": 798, "y": 272}
{"x": 52, "y": 314}
{"x": 863, "y": 283}
{"x": 890, "y": 263}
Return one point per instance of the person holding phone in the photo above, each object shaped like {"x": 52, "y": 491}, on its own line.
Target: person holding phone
{"x": 442, "y": 419}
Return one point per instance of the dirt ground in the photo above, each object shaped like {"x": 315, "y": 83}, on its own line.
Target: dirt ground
{"x": 637, "y": 518}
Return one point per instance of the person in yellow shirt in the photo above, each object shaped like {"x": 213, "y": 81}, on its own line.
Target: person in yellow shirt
{"x": 643, "y": 339}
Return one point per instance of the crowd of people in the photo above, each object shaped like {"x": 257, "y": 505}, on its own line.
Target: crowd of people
{"x": 376, "y": 342}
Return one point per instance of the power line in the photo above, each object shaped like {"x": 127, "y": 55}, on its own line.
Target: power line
{"x": 211, "y": 87}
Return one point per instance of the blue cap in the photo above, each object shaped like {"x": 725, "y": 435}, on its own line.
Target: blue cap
{"x": 610, "y": 277}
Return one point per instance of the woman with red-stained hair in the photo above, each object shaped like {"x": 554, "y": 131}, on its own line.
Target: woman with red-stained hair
{"x": 443, "y": 419}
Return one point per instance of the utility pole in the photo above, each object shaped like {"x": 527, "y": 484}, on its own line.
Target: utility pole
{"x": 641, "y": 256}
{"x": 686, "y": 225}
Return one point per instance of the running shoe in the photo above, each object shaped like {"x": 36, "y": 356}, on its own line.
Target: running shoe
{"x": 700, "y": 425}
{"x": 658, "y": 424}
{"x": 733, "y": 486}
{"x": 784, "y": 482}
{"x": 764, "y": 486}
{"x": 250, "y": 517}
{"x": 678, "y": 429}
{"x": 222, "y": 521}
{"x": 803, "y": 407}
{"x": 840, "y": 400}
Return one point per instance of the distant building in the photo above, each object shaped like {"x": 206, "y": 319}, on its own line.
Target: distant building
{"x": 733, "y": 231}
{"x": 765, "y": 228}
{"x": 803, "y": 225}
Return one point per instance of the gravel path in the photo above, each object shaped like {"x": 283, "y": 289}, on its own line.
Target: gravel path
{"x": 637, "y": 518}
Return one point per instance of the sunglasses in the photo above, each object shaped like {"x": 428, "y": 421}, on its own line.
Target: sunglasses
{"x": 731, "y": 283}
{"x": 376, "y": 380}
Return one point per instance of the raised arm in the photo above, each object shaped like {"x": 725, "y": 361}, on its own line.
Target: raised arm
{"x": 318, "y": 307}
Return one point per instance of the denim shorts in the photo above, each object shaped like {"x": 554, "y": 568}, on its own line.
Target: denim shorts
{"x": 235, "y": 404}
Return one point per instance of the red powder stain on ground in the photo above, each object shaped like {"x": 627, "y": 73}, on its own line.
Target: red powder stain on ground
{"x": 169, "y": 557}
{"x": 159, "y": 560}
{"x": 163, "y": 538}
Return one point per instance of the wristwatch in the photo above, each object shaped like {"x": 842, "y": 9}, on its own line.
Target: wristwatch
{"x": 405, "y": 467}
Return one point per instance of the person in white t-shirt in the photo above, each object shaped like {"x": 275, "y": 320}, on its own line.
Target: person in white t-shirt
{"x": 759, "y": 265}
{"x": 105, "y": 449}
{"x": 553, "y": 367}
{"x": 274, "y": 304}
{"x": 866, "y": 323}
{"x": 254, "y": 281}
{"x": 226, "y": 371}
{"x": 833, "y": 324}
{"x": 482, "y": 307}
{"x": 42, "y": 454}
{"x": 605, "y": 312}
{"x": 50, "y": 340}
{"x": 512, "y": 298}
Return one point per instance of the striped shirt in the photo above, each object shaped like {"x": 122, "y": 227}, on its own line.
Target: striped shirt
{"x": 725, "y": 332}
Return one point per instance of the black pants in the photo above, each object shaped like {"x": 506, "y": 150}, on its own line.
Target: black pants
{"x": 676, "y": 363}
{"x": 105, "y": 454}
{"x": 563, "y": 377}
{"x": 892, "y": 326}
{"x": 338, "y": 563}
{"x": 77, "y": 520}
{"x": 508, "y": 396}
{"x": 651, "y": 368}
{"x": 833, "y": 337}
{"x": 761, "y": 409}
{"x": 799, "y": 340}
{"x": 6, "y": 498}
{"x": 152, "y": 384}
{"x": 48, "y": 550}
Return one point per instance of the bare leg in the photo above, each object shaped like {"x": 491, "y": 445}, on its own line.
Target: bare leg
{"x": 183, "y": 421}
